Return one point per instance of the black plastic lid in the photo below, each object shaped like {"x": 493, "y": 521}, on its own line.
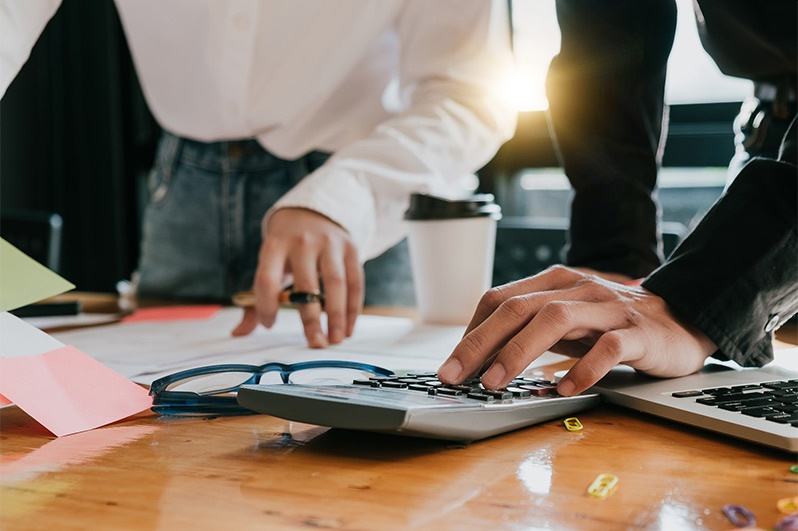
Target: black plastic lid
{"x": 424, "y": 206}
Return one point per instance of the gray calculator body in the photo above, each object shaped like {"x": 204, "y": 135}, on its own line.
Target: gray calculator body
{"x": 404, "y": 412}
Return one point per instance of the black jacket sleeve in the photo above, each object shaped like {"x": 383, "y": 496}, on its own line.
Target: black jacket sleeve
{"x": 735, "y": 277}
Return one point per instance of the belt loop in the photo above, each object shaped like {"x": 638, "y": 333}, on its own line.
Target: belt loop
{"x": 168, "y": 157}
{"x": 169, "y": 154}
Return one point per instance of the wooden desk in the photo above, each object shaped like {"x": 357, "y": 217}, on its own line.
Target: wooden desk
{"x": 260, "y": 472}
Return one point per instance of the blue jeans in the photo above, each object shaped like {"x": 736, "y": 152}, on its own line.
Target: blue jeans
{"x": 202, "y": 225}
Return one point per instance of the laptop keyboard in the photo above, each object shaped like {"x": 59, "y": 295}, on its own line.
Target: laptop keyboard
{"x": 772, "y": 401}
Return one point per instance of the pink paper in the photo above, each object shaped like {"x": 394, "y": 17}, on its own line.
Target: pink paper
{"x": 173, "y": 313}
{"x": 68, "y": 391}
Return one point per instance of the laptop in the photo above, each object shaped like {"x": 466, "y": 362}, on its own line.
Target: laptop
{"x": 758, "y": 405}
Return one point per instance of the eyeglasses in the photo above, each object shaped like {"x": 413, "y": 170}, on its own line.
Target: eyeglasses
{"x": 210, "y": 391}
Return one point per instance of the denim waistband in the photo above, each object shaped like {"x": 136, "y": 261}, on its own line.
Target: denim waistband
{"x": 225, "y": 155}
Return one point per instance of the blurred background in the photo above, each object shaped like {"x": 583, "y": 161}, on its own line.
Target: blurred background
{"x": 77, "y": 140}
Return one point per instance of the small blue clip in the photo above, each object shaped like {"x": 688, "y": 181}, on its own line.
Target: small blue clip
{"x": 739, "y": 515}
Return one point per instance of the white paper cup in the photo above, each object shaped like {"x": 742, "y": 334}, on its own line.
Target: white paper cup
{"x": 451, "y": 246}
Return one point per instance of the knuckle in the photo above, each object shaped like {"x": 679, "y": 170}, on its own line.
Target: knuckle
{"x": 516, "y": 307}
{"x": 559, "y": 272}
{"x": 265, "y": 283}
{"x": 334, "y": 280}
{"x": 513, "y": 354}
{"x": 269, "y": 246}
{"x": 612, "y": 345}
{"x": 492, "y": 298}
{"x": 472, "y": 344}
{"x": 305, "y": 240}
{"x": 631, "y": 317}
{"x": 557, "y": 312}
{"x": 592, "y": 289}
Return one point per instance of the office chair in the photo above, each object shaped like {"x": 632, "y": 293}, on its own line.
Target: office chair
{"x": 35, "y": 233}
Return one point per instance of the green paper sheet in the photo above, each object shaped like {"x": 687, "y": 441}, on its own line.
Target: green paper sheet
{"x": 24, "y": 281}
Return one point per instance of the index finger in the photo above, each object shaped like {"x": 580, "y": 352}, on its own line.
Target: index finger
{"x": 268, "y": 282}
{"x": 553, "y": 278}
{"x": 488, "y": 337}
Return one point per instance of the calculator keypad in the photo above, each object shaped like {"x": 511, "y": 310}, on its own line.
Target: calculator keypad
{"x": 519, "y": 388}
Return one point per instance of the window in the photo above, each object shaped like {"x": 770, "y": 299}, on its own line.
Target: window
{"x": 692, "y": 75}
{"x": 703, "y": 104}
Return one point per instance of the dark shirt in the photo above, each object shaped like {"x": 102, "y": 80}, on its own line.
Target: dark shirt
{"x": 736, "y": 276}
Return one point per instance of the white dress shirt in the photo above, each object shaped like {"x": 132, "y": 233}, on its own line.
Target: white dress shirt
{"x": 403, "y": 92}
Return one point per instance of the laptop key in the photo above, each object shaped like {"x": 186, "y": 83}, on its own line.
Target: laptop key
{"x": 733, "y": 406}
{"x": 781, "y": 419}
{"x": 686, "y": 394}
{"x": 739, "y": 397}
{"x": 761, "y": 412}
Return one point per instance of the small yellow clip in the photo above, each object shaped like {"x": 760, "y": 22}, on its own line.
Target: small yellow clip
{"x": 603, "y": 485}
{"x": 572, "y": 424}
{"x": 788, "y": 505}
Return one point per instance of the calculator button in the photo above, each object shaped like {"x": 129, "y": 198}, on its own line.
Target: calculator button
{"x": 498, "y": 394}
{"x": 480, "y": 396}
{"x": 464, "y": 388}
{"x": 394, "y": 385}
{"x": 444, "y": 391}
{"x": 517, "y": 392}
{"x": 366, "y": 383}
{"x": 536, "y": 390}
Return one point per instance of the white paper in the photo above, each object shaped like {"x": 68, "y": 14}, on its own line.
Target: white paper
{"x": 145, "y": 351}
{"x": 18, "y": 338}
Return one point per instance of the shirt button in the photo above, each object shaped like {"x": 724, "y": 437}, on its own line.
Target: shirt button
{"x": 772, "y": 324}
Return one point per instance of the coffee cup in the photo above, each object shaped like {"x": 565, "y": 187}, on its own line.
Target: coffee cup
{"x": 451, "y": 245}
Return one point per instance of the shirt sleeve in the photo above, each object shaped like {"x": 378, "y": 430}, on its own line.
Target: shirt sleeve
{"x": 452, "y": 58}
{"x": 735, "y": 277}
{"x": 21, "y": 23}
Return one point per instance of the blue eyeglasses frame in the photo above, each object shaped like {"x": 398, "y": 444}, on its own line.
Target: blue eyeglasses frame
{"x": 189, "y": 403}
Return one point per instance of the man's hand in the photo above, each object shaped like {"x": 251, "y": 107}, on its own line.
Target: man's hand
{"x": 309, "y": 247}
{"x": 580, "y": 315}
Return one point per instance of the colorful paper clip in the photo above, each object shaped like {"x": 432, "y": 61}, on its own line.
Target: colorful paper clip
{"x": 788, "y": 505}
{"x": 739, "y": 515}
{"x": 572, "y": 424}
{"x": 788, "y": 523}
{"x": 603, "y": 485}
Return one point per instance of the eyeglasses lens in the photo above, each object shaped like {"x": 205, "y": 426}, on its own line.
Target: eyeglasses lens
{"x": 226, "y": 382}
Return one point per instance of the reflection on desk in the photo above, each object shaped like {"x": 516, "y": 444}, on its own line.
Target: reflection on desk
{"x": 266, "y": 473}
{"x": 260, "y": 472}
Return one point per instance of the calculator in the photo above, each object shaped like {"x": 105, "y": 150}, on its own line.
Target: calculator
{"x": 417, "y": 405}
